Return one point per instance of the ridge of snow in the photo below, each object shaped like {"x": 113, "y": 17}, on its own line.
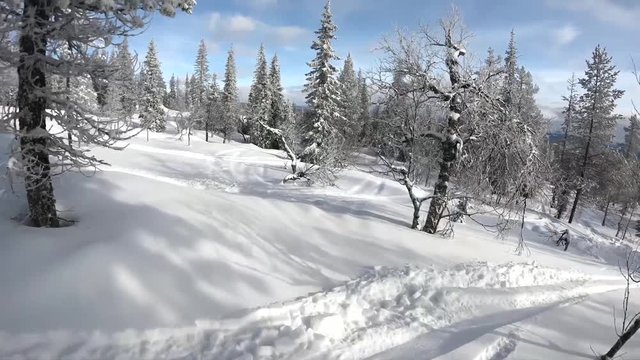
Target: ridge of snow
{"x": 384, "y": 307}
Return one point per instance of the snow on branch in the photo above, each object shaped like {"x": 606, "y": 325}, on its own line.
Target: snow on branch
{"x": 290, "y": 153}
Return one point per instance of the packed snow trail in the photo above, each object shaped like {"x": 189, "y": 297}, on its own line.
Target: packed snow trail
{"x": 379, "y": 310}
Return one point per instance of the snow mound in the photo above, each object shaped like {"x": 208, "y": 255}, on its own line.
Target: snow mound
{"x": 384, "y": 307}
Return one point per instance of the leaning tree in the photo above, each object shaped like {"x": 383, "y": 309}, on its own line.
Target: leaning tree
{"x": 86, "y": 26}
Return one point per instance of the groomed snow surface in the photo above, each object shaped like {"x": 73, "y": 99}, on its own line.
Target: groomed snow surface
{"x": 200, "y": 252}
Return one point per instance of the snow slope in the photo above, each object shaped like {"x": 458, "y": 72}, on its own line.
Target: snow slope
{"x": 173, "y": 244}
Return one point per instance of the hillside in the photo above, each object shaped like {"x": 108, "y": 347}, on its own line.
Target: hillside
{"x": 201, "y": 252}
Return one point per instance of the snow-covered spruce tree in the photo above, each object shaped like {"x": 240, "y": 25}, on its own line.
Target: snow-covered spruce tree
{"x": 123, "y": 85}
{"x": 518, "y": 101}
{"x": 199, "y": 87}
{"x": 172, "y": 96}
{"x": 290, "y": 127}
{"x": 229, "y": 99}
{"x": 349, "y": 86}
{"x": 101, "y": 76}
{"x": 86, "y": 25}
{"x": 363, "y": 110}
{"x": 563, "y": 167}
{"x": 279, "y": 107}
{"x": 632, "y": 137}
{"x": 187, "y": 93}
{"x": 614, "y": 182}
{"x": 616, "y": 177}
{"x": 592, "y": 128}
{"x": 151, "y": 111}
{"x": 180, "y": 105}
{"x": 138, "y": 78}
{"x": 260, "y": 101}
{"x": 212, "y": 113}
{"x": 79, "y": 89}
{"x": 323, "y": 144}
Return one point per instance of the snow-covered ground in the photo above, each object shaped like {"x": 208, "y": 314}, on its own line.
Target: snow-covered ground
{"x": 201, "y": 252}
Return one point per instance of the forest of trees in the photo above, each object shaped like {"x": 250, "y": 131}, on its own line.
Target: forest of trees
{"x": 474, "y": 134}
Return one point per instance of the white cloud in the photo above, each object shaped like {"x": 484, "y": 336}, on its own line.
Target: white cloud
{"x": 250, "y": 31}
{"x": 565, "y": 35}
{"x": 258, "y": 4}
{"x": 242, "y": 24}
{"x": 608, "y": 11}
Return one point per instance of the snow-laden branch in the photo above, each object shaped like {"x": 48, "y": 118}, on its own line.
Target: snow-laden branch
{"x": 402, "y": 175}
{"x": 282, "y": 138}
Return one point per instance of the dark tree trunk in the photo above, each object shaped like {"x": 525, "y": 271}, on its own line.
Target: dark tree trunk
{"x": 622, "y": 340}
{"x": 206, "y": 131}
{"x": 68, "y": 88}
{"x": 585, "y": 161}
{"x": 576, "y": 200}
{"x": 606, "y": 212}
{"x": 439, "y": 200}
{"x": 450, "y": 142}
{"x": 414, "y": 201}
{"x": 32, "y": 103}
{"x": 622, "y": 215}
{"x": 427, "y": 178}
{"x": 626, "y": 228}
{"x": 561, "y": 205}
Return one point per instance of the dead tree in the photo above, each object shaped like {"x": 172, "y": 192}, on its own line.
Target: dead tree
{"x": 630, "y": 323}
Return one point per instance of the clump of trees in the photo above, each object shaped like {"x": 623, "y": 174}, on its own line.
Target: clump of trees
{"x": 82, "y": 29}
{"x": 482, "y": 124}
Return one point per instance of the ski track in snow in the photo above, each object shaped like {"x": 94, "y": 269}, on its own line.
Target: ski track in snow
{"x": 383, "y": 308}
{"x": 501, "y": 349}
{"x": 199, "y": 156}
{"x": 198, "y": 184}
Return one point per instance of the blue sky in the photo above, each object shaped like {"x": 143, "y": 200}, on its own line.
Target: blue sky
{"x": 554, "y": 37}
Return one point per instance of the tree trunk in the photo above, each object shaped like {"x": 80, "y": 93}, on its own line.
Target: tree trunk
{"x": 68, "y": 88}
{"x": 561, "y": 205}
{"x": 414, "y": 201}
{"x": 416, "y": 214}
{"x": 606, "y": 212}
{"x": 622, "y": 215}
{"x": 622, "y": 340}
{"x": 439, "y": 200}
{"x": 32, "y": 103}
{"x": 626, "y": 228}
{"x": 206, "y": 131}
{"x": 585, "y": 161}
{"x": 575, "y": 204}
{"x": 450, "y": 142}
